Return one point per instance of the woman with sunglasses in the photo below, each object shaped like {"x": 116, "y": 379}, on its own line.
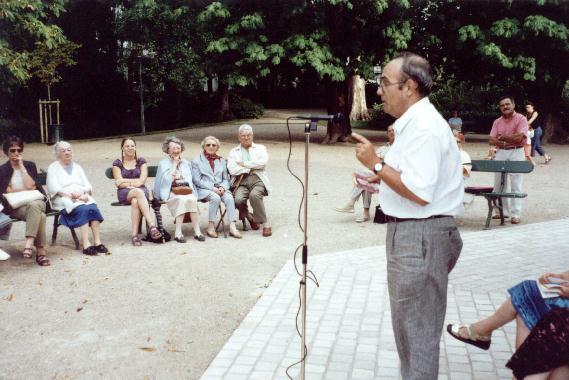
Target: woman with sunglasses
{"x": 19, "y": 175}
{"x": 211, "y": 179}
{"x": 130, "y": 173}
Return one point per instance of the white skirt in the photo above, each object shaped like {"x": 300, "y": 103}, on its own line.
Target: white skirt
{"x": 181, "y": 204}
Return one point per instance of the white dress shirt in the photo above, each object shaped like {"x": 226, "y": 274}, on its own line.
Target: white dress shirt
{"x": 427, "y": 156}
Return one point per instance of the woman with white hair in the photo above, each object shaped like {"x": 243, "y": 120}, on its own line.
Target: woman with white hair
{"x": 174, "y": 185}
{"x": 70, "y": 191}
{"x": 211, "y": 179}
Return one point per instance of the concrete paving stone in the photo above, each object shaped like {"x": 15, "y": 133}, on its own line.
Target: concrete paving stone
{"x": 245, "y": 360}
{"x": 355, "y": 281}
{"x": 336, "y": 375}
{"x": 460, "y": 376}
{"x": 363, "y": 364}
{"x": 457, "y": 359}
{"x": 362, "y": 374}
{"x": 315, "y": 368}
{"x": 240, "y": 369}
{"x": 385, "y": 372}
{"x": 260, "y": 375}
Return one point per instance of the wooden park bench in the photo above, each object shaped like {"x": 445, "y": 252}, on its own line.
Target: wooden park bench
{"x": 151, "y": 174}
{"x": 42, "y": 179}
{"x": 494, "y": 196}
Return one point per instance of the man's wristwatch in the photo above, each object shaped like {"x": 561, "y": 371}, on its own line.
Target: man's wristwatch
{"x": 377, "y": 168}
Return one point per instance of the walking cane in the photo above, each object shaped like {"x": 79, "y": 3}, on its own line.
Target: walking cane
{"x": 224, "y": 211}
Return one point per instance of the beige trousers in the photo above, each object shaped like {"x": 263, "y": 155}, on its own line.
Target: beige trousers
{"x": 34, "y": 215}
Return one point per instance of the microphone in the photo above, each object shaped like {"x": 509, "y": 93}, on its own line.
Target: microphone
{"x": 333, "y": 118}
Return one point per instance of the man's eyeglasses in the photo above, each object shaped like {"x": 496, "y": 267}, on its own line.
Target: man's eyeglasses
{"x": 15, "y": 150}
{"x": 384, "y": 82}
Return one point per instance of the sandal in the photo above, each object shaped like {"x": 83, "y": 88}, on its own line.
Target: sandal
{"x": 155, "y": 233}
{"x": 136, "y": 241}
{"x": 480, "y": 341}
{"x": 28, "y": 253}
{"x": 42, "y": 261}
{"x": 90, "y": 251}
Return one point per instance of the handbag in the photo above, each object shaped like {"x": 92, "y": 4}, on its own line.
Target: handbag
{"x": 21, "y": 198}
{"x": 379, "y": 216}
{"x": 181, "y": 188}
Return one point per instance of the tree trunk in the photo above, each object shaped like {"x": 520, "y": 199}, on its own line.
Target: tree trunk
{"x": 224, "y": 112}
{"x": 357, "y": 98}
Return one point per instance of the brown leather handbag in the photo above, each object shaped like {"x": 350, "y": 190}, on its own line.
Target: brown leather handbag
{"x": 181, "y": 188}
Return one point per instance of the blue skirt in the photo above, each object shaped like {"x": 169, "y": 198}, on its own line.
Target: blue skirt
{"x": 80, "y": 216}
{"x": 529, "y": 304}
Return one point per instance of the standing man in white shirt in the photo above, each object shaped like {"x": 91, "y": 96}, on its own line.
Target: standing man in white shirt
{"x": 248, "y": 161}
{"x": 421, "y": 191}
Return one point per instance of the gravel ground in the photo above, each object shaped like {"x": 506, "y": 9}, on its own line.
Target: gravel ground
{"x": 164, "y": 311}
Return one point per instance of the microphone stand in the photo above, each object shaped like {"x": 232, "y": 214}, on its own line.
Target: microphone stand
{"x": 312, "y": 126}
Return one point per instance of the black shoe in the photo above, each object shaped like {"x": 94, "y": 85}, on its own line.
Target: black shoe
{"x": 199, "y": 237}
{"x": 180, "y": 239}
{"x": 101, "y": 249}
{"x": 90, "y": 251}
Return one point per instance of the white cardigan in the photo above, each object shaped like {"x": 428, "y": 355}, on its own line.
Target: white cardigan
{"x": 59, "y": 180}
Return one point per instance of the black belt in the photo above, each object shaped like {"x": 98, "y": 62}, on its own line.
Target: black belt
{"x": 511, "y": 147}
{"x": 399, "y": 220}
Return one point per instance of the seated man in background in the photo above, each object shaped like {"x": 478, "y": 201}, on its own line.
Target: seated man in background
{"x": 246, "y": 164}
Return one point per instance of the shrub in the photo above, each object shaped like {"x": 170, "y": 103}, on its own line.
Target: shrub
{"x": 244, "y": 108}
{"x": 378, "y": 118}
{"x": 25, "y": 129}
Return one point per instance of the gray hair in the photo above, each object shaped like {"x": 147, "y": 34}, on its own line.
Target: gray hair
{"x": 60, "y": 145}
{"x": 172, "y": 139}
{"x": 211, "y": 138}
{"x": 245, "y": 128}
{"x": 417, "y": 68}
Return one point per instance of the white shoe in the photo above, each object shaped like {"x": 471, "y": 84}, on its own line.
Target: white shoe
{"x": 345, "y": 209}
{"x": 361, "y": 219}
{"x": 4, "y": 255}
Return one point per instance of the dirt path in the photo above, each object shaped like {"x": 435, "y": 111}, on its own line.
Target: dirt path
{"x": 164, "y": 311}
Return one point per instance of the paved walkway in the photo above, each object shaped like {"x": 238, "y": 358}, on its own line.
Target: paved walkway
{"x": 349, "y": 333}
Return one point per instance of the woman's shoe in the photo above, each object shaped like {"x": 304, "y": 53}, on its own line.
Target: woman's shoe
{"x": 199, "y": 237}
{"x": 235, "y": 234}
{"x": 479, "y": 341}
{"x": 136, "y": 241}
{"x": 90, "y": 251}
{"x": 42, "y": 261}
{"x": 363, "y": 218}
{"x": 155, "y": 233}
{"x": 547, "y": 158}
{"x": 28, "y": 253}
{"x": 101, "y": 249}
{"x": 345, "y": 209}
{"x": 180, "y": 239}
{"x": 211, "y": 233}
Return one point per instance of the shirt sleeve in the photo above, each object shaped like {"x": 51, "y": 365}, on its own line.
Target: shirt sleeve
{"x": 420, "y": 165}
{"x": 494, "y": 131}
{"x": 232, "y": 166}
{"x": 117, "y": 163}
{"x": 260, "y": 159}
{"x": 522, "y": 126}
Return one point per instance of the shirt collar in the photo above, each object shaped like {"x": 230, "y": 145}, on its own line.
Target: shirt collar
{"x": 403, "y": 120}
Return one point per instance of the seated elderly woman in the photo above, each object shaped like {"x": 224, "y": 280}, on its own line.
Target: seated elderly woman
{"x": 70, "y": 192}
{"x": 211, "y": 180}
{"x": 18, "y": 175}
{"x": 526, "y": 305}
{"x": 544, "y": 355}
{"x": 130, "y": 173}
{"x": 174, "y": 185}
